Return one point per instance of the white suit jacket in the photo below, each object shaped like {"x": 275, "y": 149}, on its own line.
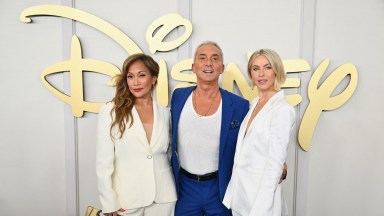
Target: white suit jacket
{"x": 131, "y": 172}
{"x": 260, "y": 154}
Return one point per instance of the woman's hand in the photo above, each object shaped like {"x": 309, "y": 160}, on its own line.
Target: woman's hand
{"x": 114, "y": 213}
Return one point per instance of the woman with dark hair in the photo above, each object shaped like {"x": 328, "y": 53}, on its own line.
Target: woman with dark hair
{"x": 132, "y": 163}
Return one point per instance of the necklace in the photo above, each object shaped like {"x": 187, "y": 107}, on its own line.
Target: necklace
{"x": 210, "y": 105}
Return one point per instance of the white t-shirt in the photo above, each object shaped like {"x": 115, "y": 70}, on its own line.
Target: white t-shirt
{"x": 198, "y": 140}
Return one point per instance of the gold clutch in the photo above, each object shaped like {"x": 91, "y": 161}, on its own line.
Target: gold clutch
{"x": 92, "y": 211}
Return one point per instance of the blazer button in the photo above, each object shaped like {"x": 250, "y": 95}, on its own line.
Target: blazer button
{"x": 149, "y": 156}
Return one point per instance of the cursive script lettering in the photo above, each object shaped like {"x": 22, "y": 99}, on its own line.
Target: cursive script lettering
{"x": 319, "y": 97}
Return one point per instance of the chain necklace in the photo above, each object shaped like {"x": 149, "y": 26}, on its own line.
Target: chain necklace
{"x": 210, "y": 105}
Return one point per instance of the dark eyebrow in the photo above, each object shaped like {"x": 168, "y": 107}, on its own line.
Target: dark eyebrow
{"x": 140, "y": 72}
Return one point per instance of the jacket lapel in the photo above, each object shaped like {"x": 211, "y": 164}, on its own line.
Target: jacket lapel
{"x": 243, "y": 126}
{"x": 138, "y": 129}
{"x": 158, "y": 125}
{"x": 179, "y": 104}
{"x": 226, "y": 116}
{"x": 267, "y": 107}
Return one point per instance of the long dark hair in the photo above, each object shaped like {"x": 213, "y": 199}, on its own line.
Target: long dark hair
{"x": 124, "y": 100}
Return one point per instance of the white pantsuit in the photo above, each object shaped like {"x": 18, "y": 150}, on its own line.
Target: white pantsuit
{"x": 254, "y": 188}
{"x": 131, "y": 172}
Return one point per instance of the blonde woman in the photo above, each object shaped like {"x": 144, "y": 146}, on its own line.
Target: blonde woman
{"x": 262, "y": 143}
{"x": 133, "y": 169}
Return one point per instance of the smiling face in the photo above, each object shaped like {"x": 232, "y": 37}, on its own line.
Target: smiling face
{"x": 140, "y": 80}
{"x": 208, "y": 63}
{"x": 262, "y": 74}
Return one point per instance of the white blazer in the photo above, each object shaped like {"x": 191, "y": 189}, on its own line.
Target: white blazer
{"x": 131, "y": 172}
{"x": 260, "y": 155}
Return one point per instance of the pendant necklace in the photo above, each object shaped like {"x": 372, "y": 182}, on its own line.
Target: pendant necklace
{"x": 210, "y": 105}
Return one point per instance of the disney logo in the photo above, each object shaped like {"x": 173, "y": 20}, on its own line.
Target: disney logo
{"x": 320, "y": 94}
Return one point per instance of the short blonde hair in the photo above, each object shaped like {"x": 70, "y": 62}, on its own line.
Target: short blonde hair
{"x": 276, "y": 63}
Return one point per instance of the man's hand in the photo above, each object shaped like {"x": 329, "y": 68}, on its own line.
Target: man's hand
{"x": 284, "y": 174}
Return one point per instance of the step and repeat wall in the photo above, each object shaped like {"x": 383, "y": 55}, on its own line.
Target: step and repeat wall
{"x": 58, "y": 58}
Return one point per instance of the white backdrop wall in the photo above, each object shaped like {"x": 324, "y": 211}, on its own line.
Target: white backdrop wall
{"x": 32, "y": 138}
{"x": 347, "y": 154}
{"x": 47, "y": 155}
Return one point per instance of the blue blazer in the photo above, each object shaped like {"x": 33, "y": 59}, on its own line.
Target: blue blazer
{"x": 234, "y": 109}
